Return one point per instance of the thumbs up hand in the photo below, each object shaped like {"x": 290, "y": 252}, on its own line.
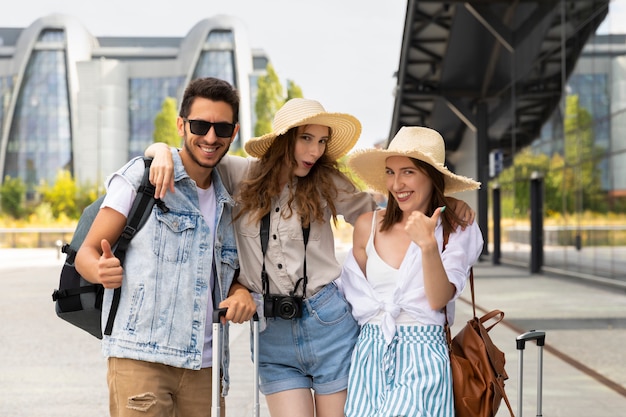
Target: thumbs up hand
{"x": 110, "y": 270}
{"x": 421, "y": 228}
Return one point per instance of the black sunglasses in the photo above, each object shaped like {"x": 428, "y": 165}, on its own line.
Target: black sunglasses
{"x": 201, "y": 128}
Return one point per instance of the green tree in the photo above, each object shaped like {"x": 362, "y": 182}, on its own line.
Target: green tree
{"x": 270, "y": 98}
{"x": 61, "y": 196}
{"x": 165, "y": 129}
{"x": 85, "y": 195}
{"x": 515, "y": 182}
{"x": 555, "y": 181}
{"x": 293, "y": 90}
{"x": 581, "y": 177}
{"x": 571, "y": 180}
{"x": 12, "y": 196}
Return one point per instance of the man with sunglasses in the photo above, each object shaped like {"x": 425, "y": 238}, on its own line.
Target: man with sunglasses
{"x": 180, "y": 266}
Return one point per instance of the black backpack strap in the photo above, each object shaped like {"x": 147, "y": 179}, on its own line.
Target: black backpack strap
{"x": 264, "y": 232}
{"x": 138, "y": 215}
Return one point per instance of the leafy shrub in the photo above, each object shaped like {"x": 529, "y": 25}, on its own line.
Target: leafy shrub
{"x": 12, "y": 195}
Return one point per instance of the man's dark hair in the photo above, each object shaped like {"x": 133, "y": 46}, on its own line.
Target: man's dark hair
{"x": 213, "y": 89}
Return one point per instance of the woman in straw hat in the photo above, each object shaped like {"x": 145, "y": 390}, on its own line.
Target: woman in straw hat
{"x": 398, "y": 278}
{"x": 288, "y": 193}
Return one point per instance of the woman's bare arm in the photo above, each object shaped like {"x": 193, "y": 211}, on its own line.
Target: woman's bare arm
{"x": 161, "y": 169}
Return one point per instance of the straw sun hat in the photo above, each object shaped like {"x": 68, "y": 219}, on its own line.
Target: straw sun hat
{"x": 414, "y": 142}
{"x": 346, "y": 129}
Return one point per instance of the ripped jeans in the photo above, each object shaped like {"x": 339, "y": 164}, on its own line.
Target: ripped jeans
{"x": 146, "y": 389}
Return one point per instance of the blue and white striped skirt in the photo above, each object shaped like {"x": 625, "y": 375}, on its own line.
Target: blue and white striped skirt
{"x": 409, "y": 377}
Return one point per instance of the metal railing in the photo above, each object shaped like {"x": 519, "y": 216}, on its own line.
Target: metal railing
{"x": 34, "y": 237}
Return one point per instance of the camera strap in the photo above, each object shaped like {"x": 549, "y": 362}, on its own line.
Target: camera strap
{"x": 265, "y": 235}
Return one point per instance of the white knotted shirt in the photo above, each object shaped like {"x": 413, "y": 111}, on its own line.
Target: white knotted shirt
{"x": 404, "y": 302}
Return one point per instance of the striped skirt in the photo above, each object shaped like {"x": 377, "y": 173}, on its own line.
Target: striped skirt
{"x": 409, "y": 377}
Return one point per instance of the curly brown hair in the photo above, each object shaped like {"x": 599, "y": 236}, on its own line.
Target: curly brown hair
{"x": 393, "y": 214}
{"x": 307, "y": 199}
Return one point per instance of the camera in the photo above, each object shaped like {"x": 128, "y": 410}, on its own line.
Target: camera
{"x": 283, "y": 306}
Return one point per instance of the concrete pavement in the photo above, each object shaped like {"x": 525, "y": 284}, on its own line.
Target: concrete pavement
{"x": 584, "y": 364}
{"x": 50, "y": 368}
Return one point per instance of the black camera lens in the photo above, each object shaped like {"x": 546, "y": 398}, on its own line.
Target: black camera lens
{"x": 284, "y": 307}
{"x": 287, "y": 309}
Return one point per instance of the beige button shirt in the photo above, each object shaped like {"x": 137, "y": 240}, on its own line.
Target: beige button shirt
{"x": 284, "y": 260}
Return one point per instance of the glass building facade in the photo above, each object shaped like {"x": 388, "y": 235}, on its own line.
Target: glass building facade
{"x": 39, "y": 141}
{"x": 146, "y": 98}
{"x": 580, "y": 163}
{"x": 72, "y": 101}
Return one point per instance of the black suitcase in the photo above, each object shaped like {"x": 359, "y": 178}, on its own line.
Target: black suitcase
{"x": 217, "y": 359}
{"x": 540, "y": 337}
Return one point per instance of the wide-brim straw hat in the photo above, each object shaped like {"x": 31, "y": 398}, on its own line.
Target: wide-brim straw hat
{"x": 415, "y": 142}
{"x": 345, "y": 128}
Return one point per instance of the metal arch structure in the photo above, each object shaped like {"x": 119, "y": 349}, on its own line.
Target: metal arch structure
{"x": 506, "y": 54}
{"x": 495, "y": 67}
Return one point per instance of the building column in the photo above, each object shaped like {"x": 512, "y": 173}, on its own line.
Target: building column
{"x": 482, "y": 162}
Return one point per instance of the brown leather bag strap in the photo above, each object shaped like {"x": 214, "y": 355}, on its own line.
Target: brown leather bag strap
{"x": 505, "y": 398}
{"x": 446, "y": 327}
{"x": 471, "y": 280}
{"x": 445, "y": 308}
{"x": 497, "y": 314}
{"x": 508, "y": 404}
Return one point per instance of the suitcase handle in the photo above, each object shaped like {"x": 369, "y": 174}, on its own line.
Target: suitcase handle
{"x": 218, "y": 313}
{"x": 221, "y": 312}
{"x": 538, "y": 335}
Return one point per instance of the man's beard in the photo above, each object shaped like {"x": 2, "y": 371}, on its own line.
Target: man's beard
{"x": 194, "y": 159}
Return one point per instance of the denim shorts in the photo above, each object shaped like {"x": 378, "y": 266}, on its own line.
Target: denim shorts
{"x": 312, "y": 351}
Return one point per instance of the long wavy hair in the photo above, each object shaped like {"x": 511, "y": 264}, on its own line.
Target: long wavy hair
{"x": 449, "y": 218}
{"x": 308, "y": 199}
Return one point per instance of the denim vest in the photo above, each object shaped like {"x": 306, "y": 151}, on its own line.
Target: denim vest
{"x": 162, "y": 312}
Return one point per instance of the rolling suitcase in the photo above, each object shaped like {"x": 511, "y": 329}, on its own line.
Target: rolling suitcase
{"x": 540, "y": 337}
{"x": 217, "y": 359}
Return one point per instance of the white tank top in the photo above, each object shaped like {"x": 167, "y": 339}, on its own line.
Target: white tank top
{"x": 383, "y": 278}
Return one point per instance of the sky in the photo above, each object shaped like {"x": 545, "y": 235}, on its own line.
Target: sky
{"x": 343, "y": 53}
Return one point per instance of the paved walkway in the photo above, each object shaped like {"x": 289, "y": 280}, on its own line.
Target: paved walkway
{"x": 585, "y": 325}
{"x": 49, "y": 368}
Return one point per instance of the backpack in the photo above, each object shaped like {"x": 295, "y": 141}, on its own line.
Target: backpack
{"x": 78, "y": 301}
